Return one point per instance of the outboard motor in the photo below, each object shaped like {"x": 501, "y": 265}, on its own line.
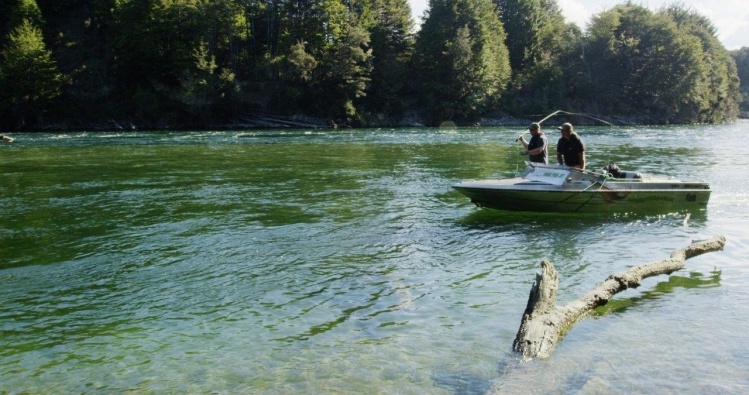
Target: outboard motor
{"x": 613, "y": 169}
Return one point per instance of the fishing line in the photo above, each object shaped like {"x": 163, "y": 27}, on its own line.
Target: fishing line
{"x": 592, "y": 195}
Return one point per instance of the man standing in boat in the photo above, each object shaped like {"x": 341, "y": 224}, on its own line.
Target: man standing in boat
{"x": 570, "y": 148}
{"x": 537, "y": 149}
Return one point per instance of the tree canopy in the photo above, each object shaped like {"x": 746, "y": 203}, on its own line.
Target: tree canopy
{"x": 666, "y": 66}
{"x": 194, "y": 64}
{"x": 741, "y": 57}
{"x": 543, "y": 51}
{"x": 29, "y": 76}
{"x": 460, "y": 60}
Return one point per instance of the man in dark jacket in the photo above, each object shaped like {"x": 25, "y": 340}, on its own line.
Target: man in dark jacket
{"x": 570, "y": 148}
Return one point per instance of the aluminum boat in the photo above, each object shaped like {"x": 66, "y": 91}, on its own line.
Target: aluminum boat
{"x": 554, "y": 188}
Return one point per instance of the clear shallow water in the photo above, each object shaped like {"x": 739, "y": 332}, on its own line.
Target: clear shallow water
{"x": 342, "y": 262}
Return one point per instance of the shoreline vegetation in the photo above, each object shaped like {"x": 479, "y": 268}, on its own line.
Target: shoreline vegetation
{"x": 190, "y": 65}
{"x": 298, "y": 121}
{"x": 278, "y": 121}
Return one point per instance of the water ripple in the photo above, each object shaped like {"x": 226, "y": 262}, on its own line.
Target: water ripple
{"x": 342, "y": 261}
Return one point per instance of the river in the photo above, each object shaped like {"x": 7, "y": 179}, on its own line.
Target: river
{"x": 341, "y": 261}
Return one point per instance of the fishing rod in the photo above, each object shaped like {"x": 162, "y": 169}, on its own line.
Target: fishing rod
{"x": 518, "y": 139}
{"x": 571, "y": 113}
{"x": 576, "y": 114}
{"x": 550, "y": 115}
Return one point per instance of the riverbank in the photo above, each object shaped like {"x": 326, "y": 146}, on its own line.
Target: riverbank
{"x": 269, "y": 120}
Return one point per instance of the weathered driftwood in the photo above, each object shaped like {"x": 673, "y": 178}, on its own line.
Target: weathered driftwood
{"x": 544, "y": 323}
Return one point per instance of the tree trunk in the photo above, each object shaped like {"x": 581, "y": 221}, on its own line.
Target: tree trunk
{"x": 544, "y": 322}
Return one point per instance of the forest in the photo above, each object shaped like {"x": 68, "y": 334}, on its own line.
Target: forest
{"x": 195, "y": 64}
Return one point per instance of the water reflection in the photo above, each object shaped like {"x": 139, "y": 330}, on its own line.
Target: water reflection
{"x": 674, "y": 282}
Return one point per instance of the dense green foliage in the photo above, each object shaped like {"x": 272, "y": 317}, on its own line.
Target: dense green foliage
{"x": 741, "y": 56}
{"x": 667, "y": 67}
{"x": 196, "y": 63}
{"x": 544, "y": 55}
{"x": 462, "y": 62}
{"x": 392, "y": 44}
{"x": 29, "y": 77}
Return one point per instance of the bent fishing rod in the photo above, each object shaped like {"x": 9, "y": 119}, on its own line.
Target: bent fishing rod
{"x": 571, "y": 113}
{"x": 576, "y": 114}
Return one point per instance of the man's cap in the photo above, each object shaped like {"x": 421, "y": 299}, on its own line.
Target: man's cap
{"x": 534, "y": 126}
{"x": 566, "y": 126}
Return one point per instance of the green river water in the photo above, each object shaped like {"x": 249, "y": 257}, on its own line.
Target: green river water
{"x": 342, "y": 262}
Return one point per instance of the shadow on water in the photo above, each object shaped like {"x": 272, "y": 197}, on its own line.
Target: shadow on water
{"x": 532, "y": 377}
{"x": 515, "y": 376}
{"x": 695, "y": 280}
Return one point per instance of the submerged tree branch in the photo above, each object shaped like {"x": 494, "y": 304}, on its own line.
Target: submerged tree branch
{"x": 544, "y": 323}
